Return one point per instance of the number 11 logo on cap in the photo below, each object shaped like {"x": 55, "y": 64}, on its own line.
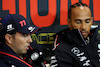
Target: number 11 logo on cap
{"x": 22, "y": 23}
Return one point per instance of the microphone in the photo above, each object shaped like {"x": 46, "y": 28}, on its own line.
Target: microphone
{"x": 35, "y": 58}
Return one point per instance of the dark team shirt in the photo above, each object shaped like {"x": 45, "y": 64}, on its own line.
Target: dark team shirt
{"x": 73, "y": 51}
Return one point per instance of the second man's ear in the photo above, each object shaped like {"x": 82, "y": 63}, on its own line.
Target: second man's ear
{"x": 69, "y": 23}
{"x": 8, "y": 38}
{"x": 92, "y": 20}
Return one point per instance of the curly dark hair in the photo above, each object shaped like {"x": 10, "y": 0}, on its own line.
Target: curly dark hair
{"x": 74, "y": 6}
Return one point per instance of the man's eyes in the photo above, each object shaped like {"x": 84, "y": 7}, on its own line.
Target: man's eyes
{"x": 78, "y": 22}
{"x": 87, "y": 21}
{"x": 25, "y": 35}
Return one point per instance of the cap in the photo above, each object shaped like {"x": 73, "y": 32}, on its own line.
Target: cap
{"x": 16, "y": 22}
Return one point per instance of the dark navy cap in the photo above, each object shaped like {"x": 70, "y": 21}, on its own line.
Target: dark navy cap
{"x": 16, "y": 22}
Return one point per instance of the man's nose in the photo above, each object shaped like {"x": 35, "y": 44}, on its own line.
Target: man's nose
{"x": 83, "y": 26}
{"x": 29, "y": 39}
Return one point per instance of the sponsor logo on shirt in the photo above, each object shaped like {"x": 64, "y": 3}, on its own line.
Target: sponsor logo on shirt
{"x": 81, "y": 56}
{"x": 99, "y": 51}
{"x": 99, "y": 46}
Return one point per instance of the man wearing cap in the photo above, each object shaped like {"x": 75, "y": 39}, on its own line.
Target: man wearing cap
{"x": 15, "y": 40}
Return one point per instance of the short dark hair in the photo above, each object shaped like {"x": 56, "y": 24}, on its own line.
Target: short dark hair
{"x": 74, "y": 6}
{"x": 2, "y": 36}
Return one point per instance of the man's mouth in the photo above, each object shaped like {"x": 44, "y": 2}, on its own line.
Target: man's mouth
{"x": 27, "y": 48}
{"x": 83, "y": 33}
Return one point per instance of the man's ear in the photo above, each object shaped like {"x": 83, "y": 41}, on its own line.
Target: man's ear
{"x": 92, "y": 20}
{"x": 69, "y": 23}
{"x": 8, "y": 38}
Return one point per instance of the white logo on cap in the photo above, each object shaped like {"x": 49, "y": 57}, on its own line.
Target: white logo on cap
{"x": 31, "y": 29}
{"x": 9, "y": 27}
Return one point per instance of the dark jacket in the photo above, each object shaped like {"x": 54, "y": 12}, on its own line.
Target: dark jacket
{"x": 73, "y": 51}
{"x": 8, "y": 58}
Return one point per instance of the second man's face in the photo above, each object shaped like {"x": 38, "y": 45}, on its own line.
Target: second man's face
{"x": 81, "y": 19}
{"x": 21, "y": 43}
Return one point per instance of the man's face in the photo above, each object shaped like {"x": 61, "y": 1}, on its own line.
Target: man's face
{"x": 81, "y": 19}
{"x": 20, "y": 43}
